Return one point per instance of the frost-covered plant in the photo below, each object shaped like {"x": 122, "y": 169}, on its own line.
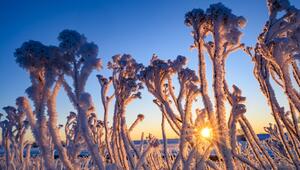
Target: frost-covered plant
{"x": 44, "y": 64}
{"x": 47, "y": 66}
{"x": 262, "y": 159}
{"x": 74, "y": 142}
{"x": 276, "y": 55}
{"x": 158, "y": 77}
{"x": 126, "y": 88}
{"x": 14, "y": 128}
{"x": 83, "y": 60}
{"x": 223, "y": 26}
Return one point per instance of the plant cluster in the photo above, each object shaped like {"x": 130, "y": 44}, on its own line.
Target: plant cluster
{"x": 201, "y": 131}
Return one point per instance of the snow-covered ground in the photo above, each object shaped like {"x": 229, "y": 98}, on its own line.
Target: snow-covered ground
{"x": 172, "y": 146}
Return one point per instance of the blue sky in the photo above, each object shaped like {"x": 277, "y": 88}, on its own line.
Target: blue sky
{"x": 136, "y": 27}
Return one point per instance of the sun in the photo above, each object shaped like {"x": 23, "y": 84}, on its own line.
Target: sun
{"x": 206, "y": 133}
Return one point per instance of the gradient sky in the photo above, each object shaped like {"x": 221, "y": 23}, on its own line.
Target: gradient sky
{"x": 136, "y": 27}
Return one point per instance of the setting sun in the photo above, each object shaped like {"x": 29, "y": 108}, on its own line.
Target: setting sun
{"x": 206, "y": 133}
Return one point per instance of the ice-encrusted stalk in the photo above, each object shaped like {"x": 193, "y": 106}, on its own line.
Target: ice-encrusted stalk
{"x": 139, "y": 118}
{"x": 153, "y": 143}
{"x": 165, "y": 144}
{"x": 219, "y": 75}
{"x": 41, "y": 129}
{"x": 24, "y": 105}
{"x": 86, "y": 106}
{"x": 202, "y": 76}
{"x": 53, "y": 129}
{"x": 104, "y": 83}
{"x": 258, "y": 142}
{"x": 125, "y": 140}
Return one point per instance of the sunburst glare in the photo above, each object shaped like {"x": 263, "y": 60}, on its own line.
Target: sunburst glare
{"x": 206, "y": 133}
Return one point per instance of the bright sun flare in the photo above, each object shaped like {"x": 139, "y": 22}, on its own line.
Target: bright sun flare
{"x": 206, "y": 133}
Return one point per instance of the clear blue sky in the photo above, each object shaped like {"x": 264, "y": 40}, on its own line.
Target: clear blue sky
{"x": 137, "y": 27}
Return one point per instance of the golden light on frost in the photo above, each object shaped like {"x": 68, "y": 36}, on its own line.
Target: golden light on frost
{"x": 206, "y": 133}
